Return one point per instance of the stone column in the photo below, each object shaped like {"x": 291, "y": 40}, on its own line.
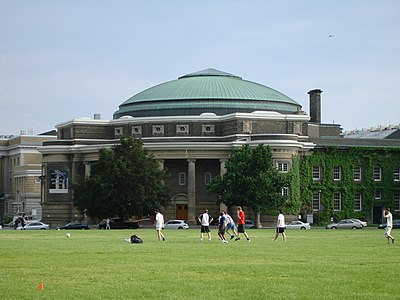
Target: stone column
{"x": 88, "y": 169}
{"x": 191, "y": 191}
{"x": 222, "y": 171}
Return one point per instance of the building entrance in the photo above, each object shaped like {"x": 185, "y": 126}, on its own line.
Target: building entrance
{"x": 182, "y": 212}
{"x": 377, "y": 215}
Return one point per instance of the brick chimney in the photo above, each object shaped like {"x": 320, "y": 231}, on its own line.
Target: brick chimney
{"x": 315, "y": 106}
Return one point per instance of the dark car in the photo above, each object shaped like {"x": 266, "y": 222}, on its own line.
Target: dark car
{"x": 396, "y": 224}
{"x": 74, "y": 225}
{"x": 117, "y": 223}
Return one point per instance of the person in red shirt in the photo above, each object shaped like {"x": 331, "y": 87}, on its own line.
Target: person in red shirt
{"x": 241, "y": 222}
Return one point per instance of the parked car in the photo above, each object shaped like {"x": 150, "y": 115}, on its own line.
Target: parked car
{"x": 34, "y": 225}
{"x": 117, "y": 223}
{"x": 396, "y": 224}
{"x": 73, "y": 225}
{"x": 248, "y": 224}
{"x": 176, "y": 224}
{"x": 346, "y": 224}
{"x": 298, "y": 225}
{"x": 364, "y": 224}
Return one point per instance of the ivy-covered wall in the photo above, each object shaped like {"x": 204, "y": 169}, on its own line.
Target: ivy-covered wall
{"x": 388, "y": 159}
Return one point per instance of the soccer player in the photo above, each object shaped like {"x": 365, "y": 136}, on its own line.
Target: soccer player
{"x": 389, "y": 224}
{"x": 205, "y": 219}
{"x": 159, "y": 225}
{"x": 221, "y": 227}
{"x": 280, "y": 226}
{"x": 241, "y": 222}
{"x": 230, "y": 225}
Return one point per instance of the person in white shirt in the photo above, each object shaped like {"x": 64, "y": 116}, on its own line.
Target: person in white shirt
{"x": 280, "y": 226}
{"x": 205, "y": 221}
{"x": 230, "y": 225}
{"x": 159, "y": 225}
{"x": 389, "y": 224}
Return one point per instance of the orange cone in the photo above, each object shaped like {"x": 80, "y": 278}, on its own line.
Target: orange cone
{"x": 41, "y": 286}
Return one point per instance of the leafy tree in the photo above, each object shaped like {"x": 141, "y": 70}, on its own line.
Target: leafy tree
{"x": 251, "y": 180}
{"x": 125, "y": 181}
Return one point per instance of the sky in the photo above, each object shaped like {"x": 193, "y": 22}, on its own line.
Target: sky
{"x": 61, "y": 60}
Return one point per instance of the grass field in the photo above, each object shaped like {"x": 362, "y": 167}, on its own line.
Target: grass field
{"x": 98, "y": 264}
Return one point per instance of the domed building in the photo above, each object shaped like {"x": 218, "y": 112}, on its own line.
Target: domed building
{"x": 191, "y": 125}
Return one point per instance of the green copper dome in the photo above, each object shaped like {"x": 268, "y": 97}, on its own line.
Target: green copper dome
{"x": 206, "y": 91}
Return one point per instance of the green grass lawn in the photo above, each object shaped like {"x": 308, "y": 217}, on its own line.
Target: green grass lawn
{"x": 98, "y": 264}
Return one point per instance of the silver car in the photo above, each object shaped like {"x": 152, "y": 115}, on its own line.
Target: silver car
{"x": 346, "y": 224}
{"x": 176, "y": 224}
{"x": 298, "y": 225}
{"x": 34, "y": 225}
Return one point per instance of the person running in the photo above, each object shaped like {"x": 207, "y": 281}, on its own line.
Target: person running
{"x": 389, "y": 224}
{"x": 230, "y": 225}
{"x": 159, "y": 225}
{"x": 280, "y": 226}
{"x": 241, "y": 222}
{"x": 205, "y": 219}
{"x": 222, "y": 227}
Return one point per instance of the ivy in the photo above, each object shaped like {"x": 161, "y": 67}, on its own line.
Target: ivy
{"x": 388, "y": 159}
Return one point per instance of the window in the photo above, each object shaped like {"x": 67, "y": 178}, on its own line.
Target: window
{"x": 378, "y": 194}
{"x": 207, "y": 129}
{"x": 182, "y": 178}
{"x": 357, "y": 173}
{"x": 158, "y": 130}
{"x": 316, "y": 197}
{"x": 118, "y": 132}
{"x": 396, "y": 174}
{"x": 136, "y": 130}
{"x": 396, "y": 205}
{"x": 316, "y": 173}
{"x": 337, "y": 201}
{"x": 357, "y": 202}
{"x": 207, "y": 178}
{"x": 377, "y": 173}
{"x": 58, "y": 181}
{"x": 182, "y": 129}
{"x": 337, "y": 173}
{"x": 285, "y": 192}
{"x": 283, "y": 167}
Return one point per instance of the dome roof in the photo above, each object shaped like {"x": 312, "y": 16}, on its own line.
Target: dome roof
{"x": 206, "y": 91}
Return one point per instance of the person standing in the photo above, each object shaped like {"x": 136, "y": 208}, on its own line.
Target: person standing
{"x": 222, "y": 227}
{"x": 159, "y": 225}
{"x": 241, "y": 222}
{"x": 389, "y": 224}
{"x": 280, "y": 226}
{"x": 108, "y": 224}
{"x": 205, "y": 219}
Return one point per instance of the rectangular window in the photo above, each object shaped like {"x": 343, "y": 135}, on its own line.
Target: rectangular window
{"x": 378, "y": 194}
{"x": 357, "y": 173}
{"x": 316, "y": 201}
{"x": 396, "y": 174}
{"x": 283, "y": 167}
{"x": 377, "y": 173}
{"x": 357, "y": 202}
{"x": 396, "y": 205}
{"x": 337, "y": 173}
{"x": 316, "y": 173}
{"x": 207, "y": 178}
{"x": 182, "y": 178}
{"x": 337, "y": 201}
{"x": 285, "y": 192}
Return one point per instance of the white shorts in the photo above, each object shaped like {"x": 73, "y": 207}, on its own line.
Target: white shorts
{"x": 387, "y": 231}
{"x": 159, "y": 227}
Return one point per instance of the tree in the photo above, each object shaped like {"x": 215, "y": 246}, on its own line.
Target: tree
{"x": 125, "y": 181}
{"x": 251, "y": 180}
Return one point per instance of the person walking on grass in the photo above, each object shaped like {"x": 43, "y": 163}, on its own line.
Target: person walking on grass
{"x": 280, "y": 226}
{"x": 159, "y": 225}
{"x": 389, "y": 224}
{"x": 222, "y": 227}
{"x": 241, "y": 222}
{"x": 205, "y": 219}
